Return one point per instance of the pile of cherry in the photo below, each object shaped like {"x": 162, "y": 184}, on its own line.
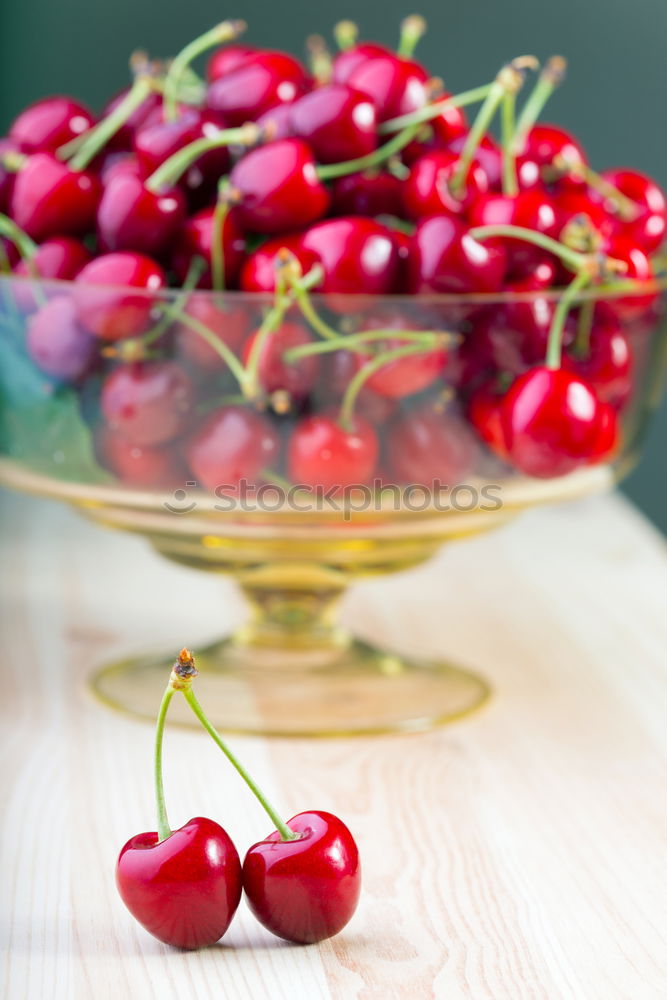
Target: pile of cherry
{"x": 400, "y": 265}
{"x": 302, "y": 882}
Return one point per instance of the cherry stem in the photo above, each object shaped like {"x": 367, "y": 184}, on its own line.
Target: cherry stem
{"x": 26, "y": 247}
{"x": 430, "y": 111}
{"x": 625, "y": 207}
{"x": 220, "y": 213}
{"x": 174, "y": 167}
{"x": 308, "y": 310}
{"x": 571, "y": 258}
{"x": 215, "y": 343}
{"x": 278, "y": 822}
{"x": 163, "y": 828}
{"x": 100, "y": 134}
{"x": 549, "y": 79}
{"x": 584, "y": 325}
{"x": 356, "y": 341}
{"x": 270, "y": 324}
{"x": 356, "y": 384}
{"x": 413, "y": 28}
{"x": 227, "y": 31}
{"x": 508, "y": 109}
{"x": 565, "y": 303}
{"x": 330, "y": 170}
{"x": 319, "y": 59}
{"x": 346, "y": 34}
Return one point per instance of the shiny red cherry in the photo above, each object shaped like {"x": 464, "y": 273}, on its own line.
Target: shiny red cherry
{"x": 338, "y": 123}
{"x": 226, "y": 322}
{"x": 132, "y": 217}
{"x": 256, "y": 84}
{"x": 259, "y": 270}
{"x": 149, "y": 467}
{"x": 323, "y": 453}
{"x": 402, "y": 376}
{"x": 371, "y": 193}
{"x": 438, "y": 133}
{"x": 429, "y": 190}
{"x": 274, "y": 372}
{"x": 306, "y": 889}
{"x": 647, "y": 228}
{"x": 427, "y": 447}
{"x": 185, "y": 889}
{"x": 350, "y": 59}
{"x": 607, "y": 364}
{"x": 638, "y": 268}
{"x": 545, "y": 143}
{"x": 551, "y": 423}
{"x": 357, "y": 255}
{"x": 122, "y": 140}
{"x": 276, "y": 123}
{"x": 196, "y": 240}
{"x": 60, "y": 258}
{"x": 50, "y": 123}
{"x": 532, "y": 209}
{"x": 234, "y": 444}
{"x": 488, "y": 155}
{"x": 57, "y": 343}
{"x": 149, "y": 402}
{"x": 483, "y": 412}
{"x": 575, "y": 207}
{"x": 49, "y": 199}
{"x": 445, "y": 258}
{"x": 112, "y": 314}
{"x": 278, "y": 187}
{"x": 396, "y": 86}
{"x": 226, "y": 59}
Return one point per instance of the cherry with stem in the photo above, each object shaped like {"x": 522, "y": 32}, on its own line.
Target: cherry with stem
{"x": 226, "y": 31}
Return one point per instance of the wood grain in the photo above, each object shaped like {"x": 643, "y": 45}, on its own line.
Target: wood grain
{"x": 520, "y": 854}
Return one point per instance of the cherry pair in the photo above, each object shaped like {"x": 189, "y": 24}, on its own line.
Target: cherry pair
{"x": 302, "y": 881}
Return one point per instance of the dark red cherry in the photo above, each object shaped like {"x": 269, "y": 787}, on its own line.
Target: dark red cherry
{"x": 153, "y": 467}
{"x": 337, "y": 369}
{"x": 234, "y": 443}
{"x": 357, "y": 255}
{"x": 373, "y": 192}
{"x": 149, "y": 402}
{"x": 278, "y": 187}
{"x": 184, "y": 890}
{"x": 552, "y": 423}
{"x": 322, "y": 453}
{"x": 7, "y": 147}
{"x": 156, "y": 140}
{"x": 403, "y": 376}
{"x": 337, "y": 122}
{"x": 428, "y": 190}
{"x": 638, "y": 268}
{"x": 60, "y": 258}
{"x": 122, "y": 140}
{"x": 132, "y": 217}
{"x": 396, "y": 86}
{"x": 228, "y": 58}
{"x": 274, "y": 372}
{"x": 50, "y": 123}
{"x": 119, "y": 163}
{"x": 532, "y": 209}
{"x": 445, "y": 258}
{"x": 429, "y": 447}
{"x": 488, "y": 156}
{"x": 112, "y": 314}
{"x": 607, "y": 364}
{"x": 196, "y": 240}
{"x": 259, "y": 270}
{"x": 306, "y": 889}
{"x": 545, "y": 143}
{"x": 350, "y": 59}
{"x": 276, "y": 123}
{"x": 49, "y": 199}
{"x": 647, "y": 228}
{"x": 227, "y": 322}
{"x": 438, "y": 133}
{"x": 574, "y": 208}
{"x": 258, "y": 83}
{"x": 484, "y": 414}
{"x": 56, "y": 342}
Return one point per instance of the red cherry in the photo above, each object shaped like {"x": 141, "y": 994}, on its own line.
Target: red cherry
{"x": 184, "y": 890}
{"x": 427, "y": 447}
{"x": 322, "y": 453}
{"x": 50, "y": 123}
{"x": 6, "y": 176}
{"x": 226, "y": 59}
{"x": 49, "y": 199}
{"x": 373, "y": 192}
{"x": 111, "y": 314}
{"x": 396, "y": 86}
{"x": 544, "y": 143}
{"x": 531, "y": 209}
{"x": 337, "y": 369}
{"x": 638, "y": 268}
{"x": 428, "y": 189}
{"x": 196, "y": 240}
{"x": 233, "y": 444}
{"x": 274, "y": 372}
{"x": 647, "y": 229}
{"x": 122, "y": 140}
{"x": 350, "y": 59}
{"x": 259, "y": 270}
{"x": 357, "y": 255}
{"x": 552, "y": 423}
{"x": 119, "y": 163}
{"x": 256, "y": 84}
{"x": 227, "y": 323}
{"x": 307, "y": 889}
{"x": 445, "y": 258}
{"x": 488, "y": 156}
{"x": 279, "y": 187}
{"x": 576, "y": 204}
{"x": 132, "y": 217}
{"x": 56, "y": 342}
{"x": 403, "y": 376}
{"x": 149, "y": 402}
{"x": 607, "y": 365}
{"x": 485, "y": 416}
{"x": 338, "y": 123}
{"x": 437, "y": 134}
{"x": 154, "y": 467}
{"x": 59, "y": 258}
{"x": 276, "y": 123}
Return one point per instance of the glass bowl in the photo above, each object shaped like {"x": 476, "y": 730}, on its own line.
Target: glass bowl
{"x": 128, "y": 429}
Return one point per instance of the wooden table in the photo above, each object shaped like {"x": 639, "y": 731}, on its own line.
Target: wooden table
{"x": 519, "y": 854}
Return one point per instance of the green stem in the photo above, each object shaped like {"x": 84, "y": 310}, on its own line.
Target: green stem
{"x": 346, "y": 34}
{"x": 413, "y": 29}
{"x": 310, "y": 314}
{"x": 224, "y": 32}
{"x": 100, "y": 134}
{"x": 278, "y": 822}
{"x": 220, "y": 213}
{"x": 357, "y": 382}
{"x": 23, "y": 243}
{"x": 549, "y": 79}
{"x": 328, "y": 171}
{"x": 571, "y": 258}
{"x": 270, "y": 324}
{"x": 217, "y": 345}
{"x": 565, "y": 303}
{"x": 319, "y": 59}
{"x": 584, "y": 325}
{"x": 627, "y": 209}
{"x": 431, "y": 111}
{"x": 163, "y": 828}
{"x": 176, "y": 165}
{"x": 356, "y": 341}
{"x": 510, "y": 184}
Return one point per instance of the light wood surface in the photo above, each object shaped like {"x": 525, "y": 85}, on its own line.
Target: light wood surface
{"x": 520, "y": 854}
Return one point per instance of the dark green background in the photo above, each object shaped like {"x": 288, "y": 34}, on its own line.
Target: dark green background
{"x": 614, "y": 96}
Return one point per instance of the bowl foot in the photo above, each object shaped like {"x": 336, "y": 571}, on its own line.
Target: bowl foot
{"x": 351, "y": 689}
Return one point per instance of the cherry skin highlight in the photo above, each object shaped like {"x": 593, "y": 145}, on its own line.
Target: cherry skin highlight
{"x": 322, "y": 453}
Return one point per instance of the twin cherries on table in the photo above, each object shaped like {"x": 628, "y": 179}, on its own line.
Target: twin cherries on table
{"x": 302, "y": 882}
